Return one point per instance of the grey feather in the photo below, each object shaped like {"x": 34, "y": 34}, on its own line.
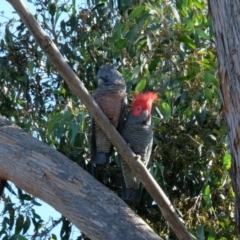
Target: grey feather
{"x": 111, "y": 98}
{"x": 137, "y": 132}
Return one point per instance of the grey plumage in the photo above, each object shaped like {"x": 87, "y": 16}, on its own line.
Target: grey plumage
{"x": 111, "y": 98}
{"x": 137, "y": 132}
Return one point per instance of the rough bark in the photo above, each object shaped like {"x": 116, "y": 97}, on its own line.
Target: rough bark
{"x": 47, "y": 174}
{"x": 225, "y": 16}
{"x": 77, "y": 86}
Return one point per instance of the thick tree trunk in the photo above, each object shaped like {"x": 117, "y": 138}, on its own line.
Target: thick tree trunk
{"x": 226, "y": 26}
{"x": 52, "y": 177}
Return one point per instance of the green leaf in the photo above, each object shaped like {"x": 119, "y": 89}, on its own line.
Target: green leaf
{"x": 208, "y": 94}
{"x": 11, "y": 217}
{"x": 20, "y": 102}
{"x": 53, "y": 237}
{"x": 136, "y": 71}
{"x": 66, "y": 227}
{"x": 149, "y": 44}
{"x": 121, "y": 43}
{"x": 98, "y": 41}
{"x": 227, "y": 160}
{"x": 73, "y": 22}
{"x": 202, "y": 34}
{"x": 8, "y": 37}
{"x": 200, "y": 232}
{"x": 136, "y": 11}
{"x": 166, "y": 111}
{"x": 35, "y": 215}
{"x": 100, "y": 5}
{"x": 2, "y": 44}
{"x": 80, "y": 119}
{"x": 190, "y": 23}
{"x": 60, "y": 131}
{"x": 35, "y": 203}
{"x": 209, "y": 77}
{"x": 53, "y": 122}
{"x": 211, "y": 234}
{"x": 8, "y": 207}
{"x": 19, "y": 224}
{"x": 187, "y": 40}
{"x": 63, "y": 27}
{"x": 207, "y": 196}
{"x": 31, "y": 66}
{"x": 48, "y": 67}
{"x": 175, "y": 13}
{"x": 154, "y": 63}
{"x": 52, "y": 9}
{"x": 67, "y": 116}
{"x": 64, "y": 91}
{"x": 74, "y": 7}
{"x": 118, "y": 29}
{"x": 199, "y": 5}
{"x": 141, "y": 85}
{"x": 131, "y": 35}
{"x": 26, "y": 225}
{"x": 26, "y": 197}
{"x": 74, "y": 129}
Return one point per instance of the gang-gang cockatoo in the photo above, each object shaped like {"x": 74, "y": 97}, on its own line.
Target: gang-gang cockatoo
{"x": 138, "y": 134}
{"x": 111, "y": 98}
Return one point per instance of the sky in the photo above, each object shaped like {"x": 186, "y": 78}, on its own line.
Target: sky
{"x": 45, "y": 211}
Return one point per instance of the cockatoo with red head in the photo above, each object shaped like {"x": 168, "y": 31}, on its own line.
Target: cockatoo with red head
{"x": 138, "y": 134}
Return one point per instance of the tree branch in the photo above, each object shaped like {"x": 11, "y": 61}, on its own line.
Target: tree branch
{"x": 49, "y": 175}
{"x": 77, "y": 86}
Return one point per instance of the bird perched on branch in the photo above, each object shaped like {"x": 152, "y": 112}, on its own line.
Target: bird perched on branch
{"x": 138, "y": 134}
{"x": 111, "y": 98}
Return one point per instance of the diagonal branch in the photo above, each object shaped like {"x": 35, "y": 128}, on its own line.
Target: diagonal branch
{"x": 77, "y": 86}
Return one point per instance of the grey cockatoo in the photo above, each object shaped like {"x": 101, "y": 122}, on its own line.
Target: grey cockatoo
{"x": 111, "y": 98}
{"x": 138, "y": 134}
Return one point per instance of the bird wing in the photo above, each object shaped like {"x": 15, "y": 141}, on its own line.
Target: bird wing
{"x": 98, "y": 158}
{"x": 148, "y": 153}
{"x": 123, "y": 113}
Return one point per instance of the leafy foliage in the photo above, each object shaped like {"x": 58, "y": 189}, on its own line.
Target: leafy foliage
{"x": 165, "y": 46}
